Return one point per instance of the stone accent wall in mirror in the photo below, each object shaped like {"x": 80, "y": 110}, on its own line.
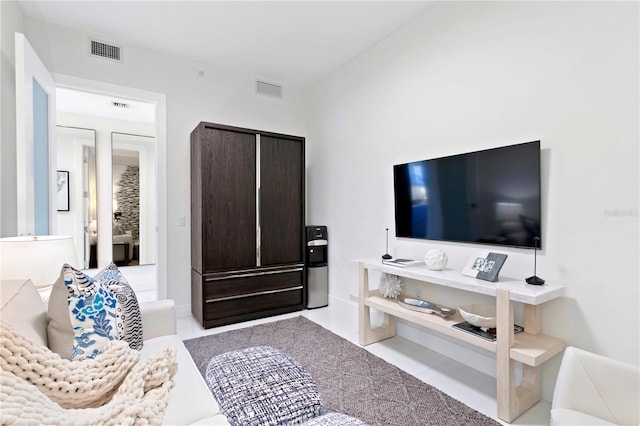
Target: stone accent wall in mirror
{"x": 134, "y": 194}
{"x": 77, "y": 191}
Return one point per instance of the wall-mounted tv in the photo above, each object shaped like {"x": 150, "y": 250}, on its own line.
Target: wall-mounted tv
{"x": 486, "y": 197}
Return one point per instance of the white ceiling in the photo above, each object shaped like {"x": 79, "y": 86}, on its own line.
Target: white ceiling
{"x": 286, "y": 42}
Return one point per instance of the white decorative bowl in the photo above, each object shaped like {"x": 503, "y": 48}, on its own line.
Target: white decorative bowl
{"x": 479, "y": 315}
{"x": 435, "y": 259}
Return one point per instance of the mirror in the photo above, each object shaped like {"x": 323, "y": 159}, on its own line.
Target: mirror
{"x": 76, "y": 191}
{"x": 134, "y": 195}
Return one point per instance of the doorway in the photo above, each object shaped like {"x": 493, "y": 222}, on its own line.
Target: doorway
{"x": 108, "y": 128}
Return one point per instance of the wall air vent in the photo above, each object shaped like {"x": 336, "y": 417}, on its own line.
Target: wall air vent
{"x": 105, "y": 50}
{"x": 269, "y": 89}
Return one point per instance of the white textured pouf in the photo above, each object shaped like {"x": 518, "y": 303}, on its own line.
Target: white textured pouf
{"x": 262, "y": 386}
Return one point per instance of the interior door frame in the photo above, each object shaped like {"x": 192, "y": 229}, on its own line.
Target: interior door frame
{"x": 29, "y": 67}
{"x": 159, "y": 99}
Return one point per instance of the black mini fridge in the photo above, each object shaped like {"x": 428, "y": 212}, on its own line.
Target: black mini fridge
{"x": 316, "y": 260}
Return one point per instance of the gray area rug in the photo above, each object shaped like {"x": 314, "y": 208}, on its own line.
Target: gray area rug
{"x": 351, "y": 380}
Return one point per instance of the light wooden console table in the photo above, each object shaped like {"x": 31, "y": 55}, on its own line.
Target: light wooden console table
{"x": 529, "y": 347}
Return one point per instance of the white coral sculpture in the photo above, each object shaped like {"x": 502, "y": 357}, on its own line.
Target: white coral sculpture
{"x": 390, "y": 285}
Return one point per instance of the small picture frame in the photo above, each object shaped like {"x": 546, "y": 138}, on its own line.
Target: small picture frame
{"x": 62, "y": 187}
{"x": 485, "y": 266}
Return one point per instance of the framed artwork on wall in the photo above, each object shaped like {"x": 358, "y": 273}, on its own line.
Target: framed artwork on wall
{"x": 62, "y": 186}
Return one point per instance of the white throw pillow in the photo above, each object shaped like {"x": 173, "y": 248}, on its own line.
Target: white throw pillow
{"x": 85, "y": 313}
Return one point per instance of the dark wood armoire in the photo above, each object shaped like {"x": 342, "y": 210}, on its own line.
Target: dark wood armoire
{"x": 247, "y": 224}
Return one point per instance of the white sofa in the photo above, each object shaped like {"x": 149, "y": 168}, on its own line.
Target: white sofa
{"x": 594, "y": 390}
{"x": 190, "y": 401}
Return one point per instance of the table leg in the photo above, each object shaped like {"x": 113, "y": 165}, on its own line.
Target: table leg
{"x": 368, "y": 334}
{"x": 513, "y": 400}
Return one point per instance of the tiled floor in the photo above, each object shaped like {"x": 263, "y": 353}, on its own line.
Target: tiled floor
{"x": 467, "y": 385}
{"x": 473, "y": 388}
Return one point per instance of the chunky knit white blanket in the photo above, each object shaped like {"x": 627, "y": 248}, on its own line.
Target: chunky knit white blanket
{"x": 115, "y": 388}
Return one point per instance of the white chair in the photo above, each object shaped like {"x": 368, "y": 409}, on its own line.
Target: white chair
{"x": 594, "y": 390}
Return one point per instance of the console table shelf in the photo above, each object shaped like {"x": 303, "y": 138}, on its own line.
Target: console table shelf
{"x": 520, "y": 291}
{"x": 528, "y": 347}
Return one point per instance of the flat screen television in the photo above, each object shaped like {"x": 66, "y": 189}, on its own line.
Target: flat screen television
{"x": 486, "y": 197}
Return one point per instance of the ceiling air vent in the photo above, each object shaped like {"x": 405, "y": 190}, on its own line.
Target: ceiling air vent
{"x": 105, "y": 50}
{"x": 268, "y": 89}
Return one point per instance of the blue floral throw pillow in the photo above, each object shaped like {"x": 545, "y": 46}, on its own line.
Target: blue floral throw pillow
{"x": 85, "y": 313}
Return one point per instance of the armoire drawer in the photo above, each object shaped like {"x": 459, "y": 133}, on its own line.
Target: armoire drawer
{"x": 225, "y": 286}
{"x": 223, "y": 311}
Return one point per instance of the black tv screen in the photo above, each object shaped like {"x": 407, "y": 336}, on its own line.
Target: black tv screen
{"x": 487, "y": 197}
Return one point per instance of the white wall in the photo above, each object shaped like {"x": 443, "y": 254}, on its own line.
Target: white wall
{"x": 471, "y": 75}
{"x": 195, "y": 92}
